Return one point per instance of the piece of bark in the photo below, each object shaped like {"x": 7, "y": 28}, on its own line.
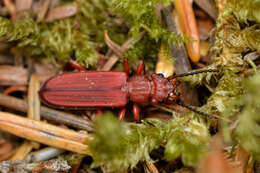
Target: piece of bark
{"x": 189, "y": 95}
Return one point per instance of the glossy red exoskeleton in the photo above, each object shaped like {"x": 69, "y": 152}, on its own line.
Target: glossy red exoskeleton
{"x": 79, "y": 90}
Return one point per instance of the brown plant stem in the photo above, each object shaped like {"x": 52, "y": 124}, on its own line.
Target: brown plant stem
{"x": 189, "y": 27}
{"x": 44, "y": 133}
{"x": 50, "y": 114}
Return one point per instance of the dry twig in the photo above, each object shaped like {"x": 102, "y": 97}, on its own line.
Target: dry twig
{"x": 44, "y": 133}
{"x": 50, "y": 114}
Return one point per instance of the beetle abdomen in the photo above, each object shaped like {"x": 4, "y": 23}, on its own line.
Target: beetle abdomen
{"x": 85, "y": 89}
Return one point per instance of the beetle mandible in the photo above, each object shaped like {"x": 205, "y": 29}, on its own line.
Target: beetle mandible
{"x": 80, "y": 90}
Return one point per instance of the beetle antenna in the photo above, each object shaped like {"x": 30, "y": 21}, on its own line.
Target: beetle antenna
{"x": 192, "y": 73}
{"x": 194, "y": 110}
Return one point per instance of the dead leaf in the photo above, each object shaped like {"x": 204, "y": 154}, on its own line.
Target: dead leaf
{"x": 12, "y": 75}
{"x": 217, "y": 160}
{"x": 62, "y": 12}
{"x": 22, "y": 5}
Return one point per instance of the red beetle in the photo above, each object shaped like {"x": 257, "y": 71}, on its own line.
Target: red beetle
{"x": 79, "y": 90}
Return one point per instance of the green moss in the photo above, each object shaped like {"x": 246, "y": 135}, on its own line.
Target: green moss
{"x": 187, "y": 138}
{"x": 146, "y": 49}
{"x": 246, "y": 10}
{"x": 119, "y": 145}
{"x": 141, "y": 15}
{"x": 76, "y": 37}
{"x": 245, "y": 108}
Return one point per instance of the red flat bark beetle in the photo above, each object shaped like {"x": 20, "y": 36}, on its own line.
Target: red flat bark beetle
{"x": 79, "y": 90}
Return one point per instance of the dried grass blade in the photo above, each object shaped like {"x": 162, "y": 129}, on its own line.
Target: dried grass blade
{"x": 34, "y": 114}
{"x": 189, "y": 28}
{"x": 44, "y": 133}
{"x": 33, "y": 99}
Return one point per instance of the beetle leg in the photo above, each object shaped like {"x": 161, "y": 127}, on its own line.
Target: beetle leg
{"x": 76, "y": 65}
{"x": 98, "y": 112}
{"x": 136, "y": 112}
{"x": 121, "y": 113}
{"x": 175, "y": 82}
{"x": 174, "y": 98}
{"x": 126, "y": 66}
{"x": 140, "y": 68}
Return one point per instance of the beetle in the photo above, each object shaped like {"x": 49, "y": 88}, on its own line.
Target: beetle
{"x": 81, "y": 90}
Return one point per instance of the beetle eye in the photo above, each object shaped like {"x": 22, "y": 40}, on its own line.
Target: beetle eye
{"x": 160, "y": 74}
{"x": 178, "y": 94}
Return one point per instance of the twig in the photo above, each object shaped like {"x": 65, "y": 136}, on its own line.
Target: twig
{"x": 51, "y": 166}
{"x": 114, "y": 58}
{"x": 50, "y": 114}
{"x": 151, "y": 167}
{"x": 44, "y": 133}
{"x": 34, "y": 114}
{"x": 24, "y": 149}
{"x": 44, "y": 154}
{"x": 113, "y": 46}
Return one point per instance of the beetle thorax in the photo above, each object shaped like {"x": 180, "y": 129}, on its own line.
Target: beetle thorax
{"x": 141, "y": 89}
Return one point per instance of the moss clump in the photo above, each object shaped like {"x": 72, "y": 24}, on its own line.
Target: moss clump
{"x": 119, "y": 145}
